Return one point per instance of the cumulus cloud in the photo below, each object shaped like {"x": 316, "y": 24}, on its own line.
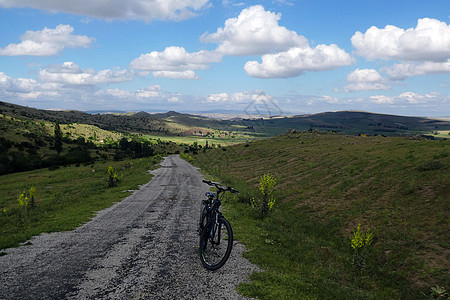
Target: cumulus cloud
{"x": 47, "y": 42}
{"x": 217, "y": 98}
{"x": 175, "y": 62}
{"x": 403, "y": 70}
{"x": 365, "y": 80}
{"x": 17, "y": 86}
{"x": 116, "y": 93}
{"x": 411, "y": 98}
{"x": 381, "y": 99}
{"x": 75, "y": 94}
{"x": 26, "y": 88}
{"x": 297, "y": 60}
{"x": 254, "y": 32}
{"x": 145, "y": 10}
{"x": 188, "y": 74}
{"x": 149, "y": 92}
{"x": 414, "y": 98}
{"x": 71, "y": 73}
{"x": 429, "y": 41}
{"x": 256, "y": 96}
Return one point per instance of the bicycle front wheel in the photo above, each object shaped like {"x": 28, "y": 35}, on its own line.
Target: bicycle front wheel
{"x": 216, "y": 243}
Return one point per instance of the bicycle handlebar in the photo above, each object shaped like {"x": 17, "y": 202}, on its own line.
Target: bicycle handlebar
{"x": 220, "y": 188}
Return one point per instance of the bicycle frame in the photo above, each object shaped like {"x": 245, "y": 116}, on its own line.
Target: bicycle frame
{"x": 213, "y": 203}
{"x": 212, "y": 209}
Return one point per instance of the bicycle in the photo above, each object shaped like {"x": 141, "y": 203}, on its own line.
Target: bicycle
{"x": 216, "y": 234}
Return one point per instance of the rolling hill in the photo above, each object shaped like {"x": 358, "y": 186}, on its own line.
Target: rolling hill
{"x": 178, "y": 124}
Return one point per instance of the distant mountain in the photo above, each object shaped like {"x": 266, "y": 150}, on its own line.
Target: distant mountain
{"x": 174, "y": 123}
{"x": 138, "y": 122}
{"x": 355, "y": 122}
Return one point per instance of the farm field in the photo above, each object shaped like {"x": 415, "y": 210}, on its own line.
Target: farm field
{"x": 200, "y": 140}
{"x": 326, "y": 185}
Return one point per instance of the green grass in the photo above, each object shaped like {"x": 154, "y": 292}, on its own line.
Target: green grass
{"x": 201, "y": 140}
{"x": 89, "y": 132}
{"x": 65, "y": 198}
{"x": 327, "y": 185}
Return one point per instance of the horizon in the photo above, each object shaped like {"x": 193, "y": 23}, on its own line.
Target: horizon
{"x": 230, "y": 114}
{"x": 281, "y": 57}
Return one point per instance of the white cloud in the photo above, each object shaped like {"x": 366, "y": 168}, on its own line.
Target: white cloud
{"x": 297, "y": 60}
{"x": 365, "y": 80}
{"x": 149, "y": 92}
{"x": 188, "y": 74}
{"x": 145, "y": 10}
{"x": 411, "y": 98}
{"x": 117, "y": 93}
{"x": 231, "y": 3}
{"x": 256, "y": 96}
{"x": 414, "y": 98}
{"x": 217, "y": 98}
{"x": 364, "y": 75}
{"x": 71, "y": 73}
{"x": 254, "y": 32}
{"x": 19, "y": 85}
{"x": 403, "y": 70}
{"x": 381, "y": 99}
{"x": 324, "y": 99}
{"x": 25, "y": 88}
{"x": 47, "y": 42}
{"x": 72, "y": 93}
{"x": 175, "y": 62}
{"x": 429, "y": 41}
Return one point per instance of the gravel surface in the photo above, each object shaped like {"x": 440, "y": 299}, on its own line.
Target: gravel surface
{"x": 143, "y": 247}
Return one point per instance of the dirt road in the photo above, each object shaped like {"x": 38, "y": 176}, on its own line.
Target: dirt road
{"x": 140, "y": 248}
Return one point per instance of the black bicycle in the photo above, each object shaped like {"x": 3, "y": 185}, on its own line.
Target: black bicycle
{"x": 216, "y": 235}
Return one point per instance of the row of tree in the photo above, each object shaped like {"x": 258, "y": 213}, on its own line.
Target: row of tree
{"x": 58, "y": 150}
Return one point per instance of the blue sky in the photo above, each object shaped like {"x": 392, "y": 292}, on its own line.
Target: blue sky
{"x": 286, "y": 56}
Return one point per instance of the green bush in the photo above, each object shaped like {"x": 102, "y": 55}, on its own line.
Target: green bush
{"x": 431, "y": 166}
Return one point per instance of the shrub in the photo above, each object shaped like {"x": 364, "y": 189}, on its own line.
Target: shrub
{"x": 113, "y": 178}
{"x": 360, "y": 243}
{"x": 267, "y": 201}
{"x": 431, "y": 166}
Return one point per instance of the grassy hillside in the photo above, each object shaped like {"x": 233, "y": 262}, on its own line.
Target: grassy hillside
{"x": 185, "y": 125}
{"x": 27, "y": 144}
{"x": 327, "y": 184}
{"x": 352, "y": 122}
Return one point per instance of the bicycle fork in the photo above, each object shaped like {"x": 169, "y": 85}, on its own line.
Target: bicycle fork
{"x": 216, "y": 228}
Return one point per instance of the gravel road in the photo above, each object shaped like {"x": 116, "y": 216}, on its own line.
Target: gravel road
{"x": 143, "y": 247}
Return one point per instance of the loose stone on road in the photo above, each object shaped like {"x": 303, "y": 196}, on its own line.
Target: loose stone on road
{"x": 143, "y": 247}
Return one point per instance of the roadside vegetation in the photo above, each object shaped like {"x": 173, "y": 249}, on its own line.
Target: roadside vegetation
{"x": 353, "y": 217}
{"x": 65, "y": 198}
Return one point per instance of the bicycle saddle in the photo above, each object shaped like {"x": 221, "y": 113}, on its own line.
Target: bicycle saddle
{"x": 210, "y": 194}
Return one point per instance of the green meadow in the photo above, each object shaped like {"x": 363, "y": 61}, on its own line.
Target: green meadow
{"x": 64, "y": 198}
{"x": 396, "y": 188}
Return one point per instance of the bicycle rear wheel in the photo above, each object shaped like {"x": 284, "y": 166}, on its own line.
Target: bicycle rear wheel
{"x": 216, "y": 243}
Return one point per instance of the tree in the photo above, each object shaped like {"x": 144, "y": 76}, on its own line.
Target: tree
{"x": 58, "y": 138}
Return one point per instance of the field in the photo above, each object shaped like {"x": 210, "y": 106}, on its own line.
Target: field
{"x": 328, "y": 184}
{"x": 222, "y": 140}
{"x": 445, "y": 134}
